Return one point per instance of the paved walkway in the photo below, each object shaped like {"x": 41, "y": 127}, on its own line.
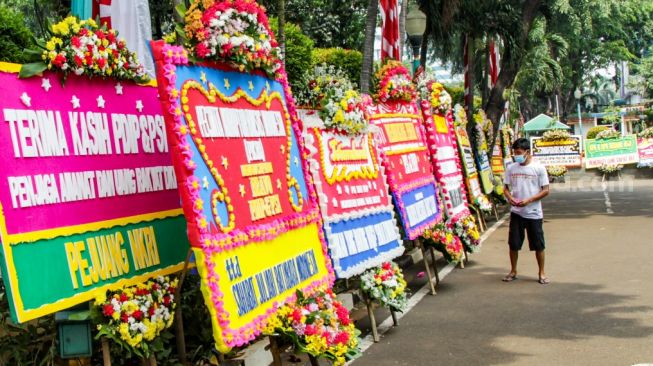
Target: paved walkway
{"x": 598, "y": 309}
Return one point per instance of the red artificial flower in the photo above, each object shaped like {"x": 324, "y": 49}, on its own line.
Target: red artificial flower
{"x": 75, "y": 41}
{"x": 138, "y": 315}
{"x": 310, "y": 330}
{"x": 123, "y": 297}
{"x": 83, "y": 31}
{"x": 101, "y": 62}
{"x": 296, "y": 315}
{"x": 100, "y": 34}
{"x": 343, "y": 315}
{"x": 151, "y": 310}
{"x": 166, "y": 300}
{"x": 342, "y": 338}
{"x": 89, "y": 48}
{"x": 107, "y": 310}
{"x": 386, "y": 265}
{"x": 59, "y": 60}
{"x": 79, "y": 61}
{"x": 111, "y": 37}
{"x": 155, "y": 286}
{"x": 140, "y": 291}
{"x": 202, "y": 50}
{"x": 124, "y": 317}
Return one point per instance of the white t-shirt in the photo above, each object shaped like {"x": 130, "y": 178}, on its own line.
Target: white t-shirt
{"x": 526, "y": 181}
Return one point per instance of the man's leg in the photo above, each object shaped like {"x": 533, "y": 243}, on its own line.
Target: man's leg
{"x": 535, "y": 233}
{"x": 514, "y": 255}
{"x": 515, "y": 241}
{"x": 539, "y": 254}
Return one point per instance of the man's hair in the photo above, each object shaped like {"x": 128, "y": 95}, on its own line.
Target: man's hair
{"x": 521, "y": 143}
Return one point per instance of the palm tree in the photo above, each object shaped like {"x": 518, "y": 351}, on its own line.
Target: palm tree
{"x": 368, "y": 48}
{"x": 601, "y": 92}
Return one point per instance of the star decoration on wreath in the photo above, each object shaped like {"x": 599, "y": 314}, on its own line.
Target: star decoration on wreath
{"x": 203, "y": 77}
{"x": 279, "y": 184}
{"x": 75, "y": 102}
{"x": 26, "y": 99}
{"x": 250, "y": 85}
{"x": 119, "y": 89}
{"x": 225, "y": 162}
{"x": 283, "y": 149}
{"x": 205, "y": 182}
{"x": 139, "y": 105}
{"x": 241, "y": 189}
{"x": 100, "y": 102}
{"x": 45, "y": 84}
{"x": 226, "y": 84}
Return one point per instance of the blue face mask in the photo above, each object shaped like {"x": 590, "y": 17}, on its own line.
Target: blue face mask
{"x": 521, "y": 159}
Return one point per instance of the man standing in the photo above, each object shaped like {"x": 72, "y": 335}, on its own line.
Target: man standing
{"x": 526, "y": 184}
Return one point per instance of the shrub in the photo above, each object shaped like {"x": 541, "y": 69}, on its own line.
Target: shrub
{"x": 349, "y": 61}
{"x": 298, "y": 51}
{"x": 14, "y": 36}
{"x": 457, "y": 93}
{"x": 591, "y": 134}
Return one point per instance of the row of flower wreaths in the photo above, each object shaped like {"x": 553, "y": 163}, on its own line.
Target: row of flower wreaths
{"x": 236, "y": 32}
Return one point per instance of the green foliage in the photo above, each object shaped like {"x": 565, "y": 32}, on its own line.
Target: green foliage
{"x": 457, "y": 93}
{"x": 595, "y": 131}
{"x": 32, "y": 343}
{"x": 349, "y": 61}
{"x": 298, "y": 51}
{"x": 329, "y": 23}
{"x": 14, "y": 36}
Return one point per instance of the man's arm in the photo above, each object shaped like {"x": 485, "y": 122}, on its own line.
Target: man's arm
{"x": 543, "y": 193}
{"x": 508, "y": 195}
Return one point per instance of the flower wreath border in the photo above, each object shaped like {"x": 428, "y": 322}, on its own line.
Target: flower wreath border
{"x": 174, "y": 56}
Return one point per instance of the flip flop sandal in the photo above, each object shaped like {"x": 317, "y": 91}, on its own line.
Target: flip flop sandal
{"x": 509, "y": 278}
{"x": 544, "y": 281}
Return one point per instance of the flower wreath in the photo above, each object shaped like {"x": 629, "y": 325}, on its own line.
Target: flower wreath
{"x": 556, "y": 170}
{"x": 465, "y": 228}
{"x": 434, "y": 92}
{"x": 608, "y": 169}
{"x": 318, "y": 325}
{"x": 443, "y": 239}
{"x": 485, "y": 127}
{"x": 647, "y": 133}
{"x": 84, "y": 48}
{"x": 394, "y": 83}
{"x": 235, "y": 32}
{"x": 460, "y": 115}
{"x": 340, "y": 106}
{"x": 386, "y": 285}
{"x": 556, "y": 135}
{"x": 610, "y": 133}
{"x": 135, "y": 316}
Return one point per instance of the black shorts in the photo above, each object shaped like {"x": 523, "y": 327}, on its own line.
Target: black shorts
{"x": 533, "y": 228}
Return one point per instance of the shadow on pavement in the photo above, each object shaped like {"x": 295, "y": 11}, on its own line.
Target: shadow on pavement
{"x": 500, "y": 319}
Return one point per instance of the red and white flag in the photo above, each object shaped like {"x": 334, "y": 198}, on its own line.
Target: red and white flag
{"x": 131, "y": 18}
{"x": 494, "y": 63}
{"x": 390, "y": 29}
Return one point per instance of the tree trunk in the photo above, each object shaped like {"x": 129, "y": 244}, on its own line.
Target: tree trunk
{"x": 368, "y": 48}
{"x": 402, "y": 27}
{"x": 510, "y": 63}
{"x": 281, "y": 33}
{"x": 425, "y": 44}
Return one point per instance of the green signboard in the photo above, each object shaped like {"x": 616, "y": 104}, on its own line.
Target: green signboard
{"x": 612, "y": 151}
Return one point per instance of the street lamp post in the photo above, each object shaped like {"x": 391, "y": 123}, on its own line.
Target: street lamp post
{"x": 577, "y": 95}
{"x": 415, "y": 27}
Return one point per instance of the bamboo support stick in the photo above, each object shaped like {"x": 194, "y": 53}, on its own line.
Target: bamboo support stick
{"x": 179, "y": 321}
{"x": 274, "y": 349}
{"x": 435, "y": 267}
{"x": 106, "y": 352}
{"x": 427, "y": 267}
{"x": 370, "y": 312}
